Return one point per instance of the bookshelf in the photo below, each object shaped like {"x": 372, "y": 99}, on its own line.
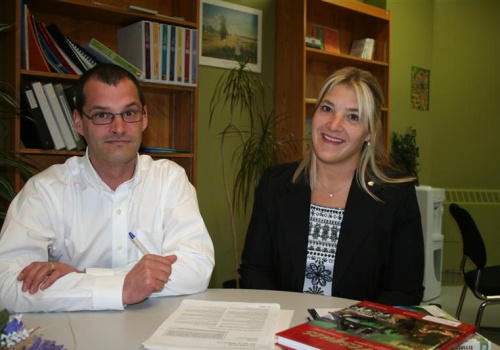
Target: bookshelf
{"x": 301, "y": 70}
{"x": 173, "y": 109}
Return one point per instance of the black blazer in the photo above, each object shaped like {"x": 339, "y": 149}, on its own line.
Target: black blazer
{"x": 380, "y": 253}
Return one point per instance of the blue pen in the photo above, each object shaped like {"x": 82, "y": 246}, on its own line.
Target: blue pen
{"x": 138, "y": 244}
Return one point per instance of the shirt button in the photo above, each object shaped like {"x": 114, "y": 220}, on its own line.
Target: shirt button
{"x": 119, "y": 211}
{"x": 120, "y": 248}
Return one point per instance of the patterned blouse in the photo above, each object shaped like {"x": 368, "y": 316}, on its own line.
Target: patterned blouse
{"x": 324, "y": 229}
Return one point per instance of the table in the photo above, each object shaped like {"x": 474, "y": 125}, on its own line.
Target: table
{"x": 128, "y": 329}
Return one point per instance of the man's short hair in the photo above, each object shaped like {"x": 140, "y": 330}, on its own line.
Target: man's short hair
{"x": 110, "y": 74}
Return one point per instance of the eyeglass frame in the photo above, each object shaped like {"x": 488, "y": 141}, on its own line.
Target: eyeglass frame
{"x": 142, "y": 112}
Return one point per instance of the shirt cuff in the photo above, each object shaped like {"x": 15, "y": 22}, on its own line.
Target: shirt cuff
{"x": 108, "y": 291}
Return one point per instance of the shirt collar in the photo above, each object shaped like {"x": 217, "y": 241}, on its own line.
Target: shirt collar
{"x": 95, "y": 180}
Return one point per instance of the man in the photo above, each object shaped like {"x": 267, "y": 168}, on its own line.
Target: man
{"x": 65, "y": 242}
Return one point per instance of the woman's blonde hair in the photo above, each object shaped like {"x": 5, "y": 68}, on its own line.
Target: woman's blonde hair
{"x": 373, "y": 163}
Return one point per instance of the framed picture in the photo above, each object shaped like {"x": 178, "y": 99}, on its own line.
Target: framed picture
{"x": 229, "y": 34}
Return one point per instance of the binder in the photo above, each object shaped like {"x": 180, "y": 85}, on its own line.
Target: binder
{"x": 133, "y": 47}
{"x": 65, "y": 106}
{"x": 58, "y": 113}
{"x": 48, "y": 116}
{"x": 86, "y": 57}
{"x": 34, "y": 56}
{"x": 61, "y": 42}
{"x": 50, "y": 56}
{"x": 70, "y": 66}
{"x": 34, "y": 130}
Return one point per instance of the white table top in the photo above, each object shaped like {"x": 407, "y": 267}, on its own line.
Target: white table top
{"x": 128, "y": 329}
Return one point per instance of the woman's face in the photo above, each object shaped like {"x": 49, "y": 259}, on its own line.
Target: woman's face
{"x": 338, "y": 134}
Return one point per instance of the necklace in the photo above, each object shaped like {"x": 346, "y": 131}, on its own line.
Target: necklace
{"x": 330, "y": 193}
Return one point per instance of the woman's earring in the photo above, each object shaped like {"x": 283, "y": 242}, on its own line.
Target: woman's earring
{"x": 368, "y": 143}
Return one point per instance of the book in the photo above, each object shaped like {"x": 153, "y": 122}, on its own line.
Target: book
{"x": 67, "y": 111}
{"x": 49, "y": 55}
{"x": 187, "y": 56}
{"x": 57, "y": 51}
{"x": 331, "y": 40}
{"x": 173, "y": 56}
{"x": 85, "y": 57}
{"x": 363, "y": 48}
{"x": 165, "y": 37}
{"x": 133, "y": 45}
{"x": 62, "y": 43}
{"x": 34, "y": 55}
{"x": 476, "y": 342}
{"x": 34, "y": 130}
{"x": 194, "y": 57}
{"x": 48, "y": 115}
{"x": 179, "y": 54}
{"x": 368, "y": 325}
{"x": 155, "y": 52}
{"x": 59, "y": 116}
{"x": 317, "y": 32}
{"x": 105, "y": 55}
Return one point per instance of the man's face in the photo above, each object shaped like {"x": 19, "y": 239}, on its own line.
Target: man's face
{"x": 117, "y": 143}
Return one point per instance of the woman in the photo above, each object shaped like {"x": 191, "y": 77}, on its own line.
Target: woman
{"x": 341, "y": 222}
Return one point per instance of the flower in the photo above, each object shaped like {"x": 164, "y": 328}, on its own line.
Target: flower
{"x": 14, "y": 336}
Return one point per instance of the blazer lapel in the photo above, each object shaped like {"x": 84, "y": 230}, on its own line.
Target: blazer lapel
{"x": 360, "y": 215}
{"x": 294, "y": 207}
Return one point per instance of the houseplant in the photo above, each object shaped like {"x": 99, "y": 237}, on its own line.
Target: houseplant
{"x": 404, "y": 151}
{"x": 241, "y": 92}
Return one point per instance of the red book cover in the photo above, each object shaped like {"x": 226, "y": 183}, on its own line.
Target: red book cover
{"x": 36, "y": 59}
{"x": 331, "y": 40}
{"x": 372, "y": 326}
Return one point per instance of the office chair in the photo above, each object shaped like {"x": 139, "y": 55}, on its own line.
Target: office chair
{"x": 484, "y": 281}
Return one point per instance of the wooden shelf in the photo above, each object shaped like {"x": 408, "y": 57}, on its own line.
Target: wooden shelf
{"x": 172, "y": 109}
{"x": 301, "y": 70}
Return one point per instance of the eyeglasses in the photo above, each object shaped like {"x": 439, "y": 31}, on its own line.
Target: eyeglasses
{"x": 103, "y": 118}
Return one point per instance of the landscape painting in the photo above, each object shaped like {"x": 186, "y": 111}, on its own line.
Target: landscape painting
{"x": 230, "y": 34}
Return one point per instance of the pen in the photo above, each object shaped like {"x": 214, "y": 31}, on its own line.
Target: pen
{"x": 138, "y": 244}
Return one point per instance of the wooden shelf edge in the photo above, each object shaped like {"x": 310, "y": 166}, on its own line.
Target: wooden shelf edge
{"x": 324, "y": 55}
{"x": 32, "y": 74}
{"x": 89, "y": 9}
{"x": 361, "y": 7}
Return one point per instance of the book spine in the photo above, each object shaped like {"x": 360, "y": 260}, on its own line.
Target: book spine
{"x": 147, "y": 49}
{"x": 171, "y": 77}
{"x": 179, "y": 51}
{"x": 164, "y": 52}
{"x": 194, "y": 57}
{"x": 107, "y": 55}
{"x": 187, "y": 55}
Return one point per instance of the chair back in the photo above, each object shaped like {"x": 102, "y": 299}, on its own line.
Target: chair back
{"x": 473, "y": 244}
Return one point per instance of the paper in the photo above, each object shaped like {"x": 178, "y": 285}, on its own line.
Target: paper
{"x": 199, "y": 324}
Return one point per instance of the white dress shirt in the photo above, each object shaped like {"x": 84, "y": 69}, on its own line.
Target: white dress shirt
{"x": 68, "y": 214}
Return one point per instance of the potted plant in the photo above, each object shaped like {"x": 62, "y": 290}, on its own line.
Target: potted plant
{"x": 404, "y": 151}
{"x": 242, "y": 92}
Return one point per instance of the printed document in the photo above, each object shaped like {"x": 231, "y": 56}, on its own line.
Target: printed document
{"x": 199, "y": 324}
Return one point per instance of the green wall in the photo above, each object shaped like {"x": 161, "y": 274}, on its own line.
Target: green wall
{"x": 456, "y": 40}
{"x": 211, "y": 195}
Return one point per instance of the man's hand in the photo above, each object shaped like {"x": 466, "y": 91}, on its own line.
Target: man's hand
{"x": 41, "y": 275}
{"x": 149, "y": 275}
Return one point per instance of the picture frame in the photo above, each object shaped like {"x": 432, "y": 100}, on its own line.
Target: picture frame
{"x": 230, "y": 33}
